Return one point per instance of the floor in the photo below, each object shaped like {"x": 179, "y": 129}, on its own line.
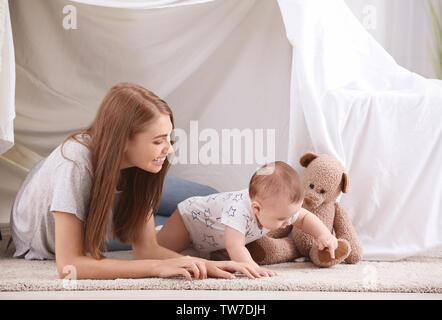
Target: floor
{"x": 213, "y": 295}
{"x": 210, "y": 295}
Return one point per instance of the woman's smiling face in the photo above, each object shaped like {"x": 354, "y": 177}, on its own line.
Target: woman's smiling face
{"x": 149, "y": 148}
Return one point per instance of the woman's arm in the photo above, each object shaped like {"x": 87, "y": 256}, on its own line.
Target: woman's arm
{"x": 70, "y": 252}
{"x": 145, "y": 245}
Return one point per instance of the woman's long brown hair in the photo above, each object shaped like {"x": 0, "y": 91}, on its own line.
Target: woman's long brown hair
{"x": 124, "y": 111}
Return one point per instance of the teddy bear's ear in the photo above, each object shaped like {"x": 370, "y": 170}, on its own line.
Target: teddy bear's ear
{"x": 344, "y": 183}
{"x": 307, "y": 158}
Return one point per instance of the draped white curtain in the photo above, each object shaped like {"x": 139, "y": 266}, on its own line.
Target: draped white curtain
{"x": 7, "y": 80}
{"x": 350, "y": 99}
{"x": 403, "y": 28}
{"x": 306, "y": 69}
{"x": 225, "y": 64}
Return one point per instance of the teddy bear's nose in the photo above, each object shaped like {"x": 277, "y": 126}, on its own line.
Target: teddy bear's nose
{"x": 311, "y": 185}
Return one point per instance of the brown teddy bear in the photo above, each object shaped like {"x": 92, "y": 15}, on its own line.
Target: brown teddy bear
{"x": 323, "y": 180}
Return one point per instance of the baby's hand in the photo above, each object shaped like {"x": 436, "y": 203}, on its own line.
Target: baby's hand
{"x": 328, "y": 241}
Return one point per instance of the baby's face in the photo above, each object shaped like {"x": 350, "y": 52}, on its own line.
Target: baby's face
{"x": 275, "y": 213}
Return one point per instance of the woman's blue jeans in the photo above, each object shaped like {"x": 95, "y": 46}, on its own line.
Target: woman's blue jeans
{"x": 175, "y": 190}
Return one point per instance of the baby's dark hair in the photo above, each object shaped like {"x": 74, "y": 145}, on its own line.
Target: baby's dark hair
{"x": 274, "y": 179}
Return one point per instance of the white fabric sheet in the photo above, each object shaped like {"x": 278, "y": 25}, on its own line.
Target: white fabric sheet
{"x": 225, "y": 64}
{"x": 7, "y": 80}
{"x": 350, "y": 99}
{"x": 141, "y": 4}
{"x": 314, "y": 74}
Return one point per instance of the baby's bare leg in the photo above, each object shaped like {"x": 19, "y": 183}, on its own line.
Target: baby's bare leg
{"x": 174, "y": 235}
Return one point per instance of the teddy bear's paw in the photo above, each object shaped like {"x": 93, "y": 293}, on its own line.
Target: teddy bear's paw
{"x": 322, "y": 258}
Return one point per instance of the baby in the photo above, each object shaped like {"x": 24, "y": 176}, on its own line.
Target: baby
{"x": 230, "y": 220}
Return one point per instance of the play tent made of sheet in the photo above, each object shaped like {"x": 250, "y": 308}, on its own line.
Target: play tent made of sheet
{"x": 304, "y": 71}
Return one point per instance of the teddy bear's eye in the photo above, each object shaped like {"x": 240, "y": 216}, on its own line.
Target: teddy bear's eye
{"x": 322, "y": 191}
{"x": 312, "y": 185}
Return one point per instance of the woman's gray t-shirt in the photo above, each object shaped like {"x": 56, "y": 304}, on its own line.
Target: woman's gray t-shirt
{"x": 53, "y": 184}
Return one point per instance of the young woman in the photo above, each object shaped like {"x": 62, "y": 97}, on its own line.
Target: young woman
{"x": 106, "y": 182}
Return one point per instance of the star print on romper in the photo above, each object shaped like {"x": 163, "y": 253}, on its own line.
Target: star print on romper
{"x": 207, "y": 213}
{"x": 237, "y": 197}
{"x": 231, "y": 211}
{"x": 210, "y": 240}
{"x": 209, "y": 223}
{"x": 195, "y": 214}
{"x": 248, "y": 220}
{"x": 211, "y": 198}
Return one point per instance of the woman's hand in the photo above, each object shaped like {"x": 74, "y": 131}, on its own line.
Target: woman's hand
{"x": 257, "y": 271}
{"x": 202, "y": 269}
{"x": 223, "y": 269}
{"x": 186, "y": 266}
{"x": 266, "y": 272}
{"x": 218, "y": 269}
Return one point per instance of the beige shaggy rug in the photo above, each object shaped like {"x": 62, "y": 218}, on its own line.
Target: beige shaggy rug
{"x": 412, "y": 275}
